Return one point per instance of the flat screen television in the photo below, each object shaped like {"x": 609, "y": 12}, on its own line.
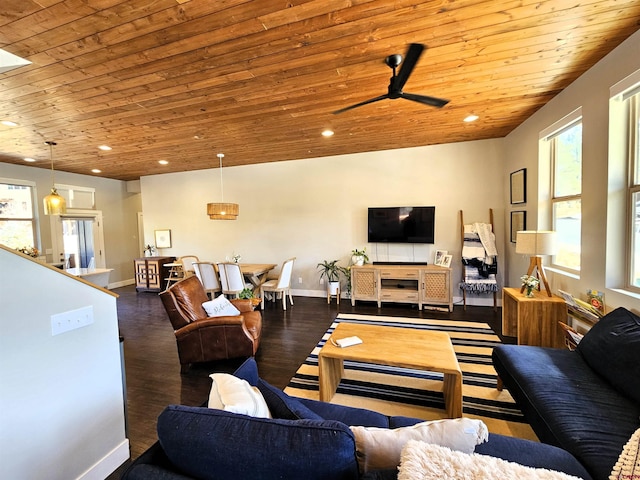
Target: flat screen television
{"x": 401, "y": 224}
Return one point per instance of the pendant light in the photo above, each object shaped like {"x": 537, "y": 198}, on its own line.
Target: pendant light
{"x": 221, "y": 210}
{"x": 54, "y": 203}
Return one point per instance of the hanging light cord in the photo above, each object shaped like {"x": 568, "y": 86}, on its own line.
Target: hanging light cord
{"x": 51, "y": 144}
{"x": 221, "y": 156}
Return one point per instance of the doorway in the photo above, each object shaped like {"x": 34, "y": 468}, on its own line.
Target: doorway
{"x": 78, "y": 240}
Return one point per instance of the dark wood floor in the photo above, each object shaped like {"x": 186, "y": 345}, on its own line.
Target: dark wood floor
{"x": 151, "y": 359}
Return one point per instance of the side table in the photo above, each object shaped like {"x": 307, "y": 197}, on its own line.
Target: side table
{"x": 534, "y": 321}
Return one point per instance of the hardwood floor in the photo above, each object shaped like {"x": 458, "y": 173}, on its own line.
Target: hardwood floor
{"x": 153, "y": 378}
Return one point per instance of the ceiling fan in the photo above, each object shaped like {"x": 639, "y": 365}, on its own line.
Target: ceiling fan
{"x": 397, "y": 81}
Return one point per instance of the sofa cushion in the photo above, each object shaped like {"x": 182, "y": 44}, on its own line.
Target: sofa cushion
{"x": 284, "y": 406}
{"x": 568, "y": 404}
{"x": 380, "y": 448}
{"x": 434, "y": 462}
{"x": 234, "y": 394}
{"x": 612, "y": 348}
{"x": 347, "y": 415}
{"x": 214, "y": 444}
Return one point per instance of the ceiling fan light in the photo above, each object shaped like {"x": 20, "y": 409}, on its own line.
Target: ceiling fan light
{"x": 54, "y": 203}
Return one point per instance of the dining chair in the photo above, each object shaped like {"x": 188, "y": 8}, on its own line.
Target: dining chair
{"x": 231, "y": 278}
{"x": 281, "y": 286}
{"x": 206, "y": 273}
{"x": 187, "y": 264}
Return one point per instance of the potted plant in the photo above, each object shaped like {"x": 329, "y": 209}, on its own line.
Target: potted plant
{"x": 249, "y": 294}
{"x": 330, "y": 270}
{"x": 359, "y": 257}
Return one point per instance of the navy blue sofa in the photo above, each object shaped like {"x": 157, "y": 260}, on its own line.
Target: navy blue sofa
{"x": 306, "y": 439}
{"x": 585, "y": 401}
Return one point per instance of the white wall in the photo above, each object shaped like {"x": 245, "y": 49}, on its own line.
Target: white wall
{"x": 61, "y": 398}
{"x": 591, "y": 92}
{"x": 119, "y": 213}
{"x": 316, "y": 209}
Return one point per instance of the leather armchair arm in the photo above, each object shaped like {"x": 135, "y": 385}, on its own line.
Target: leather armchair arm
{"x": 242, "y": 304}
{"x": 209, "y": 322}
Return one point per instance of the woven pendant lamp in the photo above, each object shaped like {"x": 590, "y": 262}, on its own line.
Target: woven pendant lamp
{"x": 222, "y": 210}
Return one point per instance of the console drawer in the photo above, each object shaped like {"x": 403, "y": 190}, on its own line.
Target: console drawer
{"x": 400, "y": 273}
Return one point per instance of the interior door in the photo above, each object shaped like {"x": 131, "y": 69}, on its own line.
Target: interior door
{"x": 78, "y": 240}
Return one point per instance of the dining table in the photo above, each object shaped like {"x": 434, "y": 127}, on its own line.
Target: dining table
{"x": 256, "y": 273}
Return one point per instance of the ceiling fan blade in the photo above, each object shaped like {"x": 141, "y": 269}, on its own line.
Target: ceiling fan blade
{"x": 410, "y": 60}
{"x": 434, "y": 102}
{"x": 366, "y": 102}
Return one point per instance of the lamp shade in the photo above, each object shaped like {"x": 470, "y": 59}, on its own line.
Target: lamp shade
{"x": 223, "y": 211}
{"x": 536, "y": 242}
{"x": 54, "y": 203}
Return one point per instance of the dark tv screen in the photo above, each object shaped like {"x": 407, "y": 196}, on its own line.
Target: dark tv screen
{"x": 401, "y": 224}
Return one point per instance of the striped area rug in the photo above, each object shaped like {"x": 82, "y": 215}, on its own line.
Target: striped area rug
{"x": 416, "y": 393}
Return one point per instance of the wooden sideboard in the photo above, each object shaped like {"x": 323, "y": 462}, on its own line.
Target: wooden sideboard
{"x": 150, "y": 273}
{"x": 534, "y": 321}
{"x": 419, "y": 284}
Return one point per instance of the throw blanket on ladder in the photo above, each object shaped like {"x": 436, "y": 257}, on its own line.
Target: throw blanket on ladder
{"x": 479, "y": 258}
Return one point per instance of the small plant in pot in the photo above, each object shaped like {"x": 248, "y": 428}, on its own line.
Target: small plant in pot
{"x": 249, "y": 294}
{"x": 330, "y": 270}
{"x": 359, "y": 257}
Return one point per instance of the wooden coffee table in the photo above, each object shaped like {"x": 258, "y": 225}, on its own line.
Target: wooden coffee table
{"x": 402, "y": 347}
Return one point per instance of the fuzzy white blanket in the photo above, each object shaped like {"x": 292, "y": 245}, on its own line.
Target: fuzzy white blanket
{"x": 425, "y": 461}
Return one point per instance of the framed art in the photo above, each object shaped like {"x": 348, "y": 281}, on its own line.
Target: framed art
{"x": 518, "y": 186}
{"x": 163, "y": 238}
{"x": 439, "y": 257}
{"x": 446, "y": 261}
{"x": 518, "y": 223}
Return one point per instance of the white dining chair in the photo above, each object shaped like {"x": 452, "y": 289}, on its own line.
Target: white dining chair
{"x": 206, "y": 273}
{"x": 231, "y": 279}
{"x": 281, "y": 286}
{"x": 187, "y": 264}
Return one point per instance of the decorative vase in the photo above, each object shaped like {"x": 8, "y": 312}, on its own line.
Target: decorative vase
{"x": 529, "y": 291}
{"x": 357, "y": 260}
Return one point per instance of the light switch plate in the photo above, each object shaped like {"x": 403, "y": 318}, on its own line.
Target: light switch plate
{"x": 70, "y": 320}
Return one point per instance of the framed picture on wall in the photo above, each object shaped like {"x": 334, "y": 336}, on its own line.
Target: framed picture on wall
{"x": 518, "y": 223}
{"x": 518, "y": 186}
{"x": 163, "y": 238}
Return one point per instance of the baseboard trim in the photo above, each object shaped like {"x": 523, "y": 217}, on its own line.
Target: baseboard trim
{"x": 109, "y": 463}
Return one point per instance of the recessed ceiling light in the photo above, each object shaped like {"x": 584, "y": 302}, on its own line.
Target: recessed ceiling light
{"x": 104, "y": 147}
{"x": 163, "y": 162}
{"x": 327, "y": 133}
{"x": 471, "y": 118}
{"x": 9, "y": 123}
{"x": 30, "y": 160}
{"x": 96, "y": 170}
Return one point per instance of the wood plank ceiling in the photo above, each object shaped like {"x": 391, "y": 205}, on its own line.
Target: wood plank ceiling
{"x": 182, "y": 80}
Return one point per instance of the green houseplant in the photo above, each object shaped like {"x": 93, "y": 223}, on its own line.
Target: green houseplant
{"x": 330, "y": 270}
{"x": 359, "y": 257}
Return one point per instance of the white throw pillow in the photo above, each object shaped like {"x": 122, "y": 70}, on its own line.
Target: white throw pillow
{"x": 220, "y": 307}
{"x": 380, "y": 448}
{"x": 233, "y": 394}
{"x": 425, "y": 461}
{"x": 628, "y": 464}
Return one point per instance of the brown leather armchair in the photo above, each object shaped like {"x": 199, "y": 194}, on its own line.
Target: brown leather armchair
{"x": 203, "y": 339}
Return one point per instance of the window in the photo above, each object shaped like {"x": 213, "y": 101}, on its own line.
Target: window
{"x": 17, "y": 218}
{"x": 566, "y": 191}
{"x": 634, "y": 190}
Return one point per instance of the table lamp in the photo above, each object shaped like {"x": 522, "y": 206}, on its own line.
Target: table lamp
{"x": 536, "y": 243}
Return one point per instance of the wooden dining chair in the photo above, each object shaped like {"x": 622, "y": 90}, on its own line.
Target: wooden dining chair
{"x": 187, "y": 264}
{"x": 281, "y": 286}
{"x": 206, "y": 273}
{"x": 231, "y": 279}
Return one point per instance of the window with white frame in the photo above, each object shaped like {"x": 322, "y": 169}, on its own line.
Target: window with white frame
{"x": 634, "y": 189}
{"x": 17, "y": 215}
{"x": 566, "y": 190}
